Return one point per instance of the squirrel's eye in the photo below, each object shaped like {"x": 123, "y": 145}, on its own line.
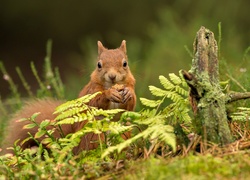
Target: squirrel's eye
{"x": 99, "y": 65}
{"x": 124, "y": 64}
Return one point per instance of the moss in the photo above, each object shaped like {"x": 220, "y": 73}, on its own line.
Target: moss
{"x": 192, "y": 167}
{"x": 210, "y": 118}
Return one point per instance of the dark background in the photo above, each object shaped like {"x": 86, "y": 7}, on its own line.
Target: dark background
{"x": 156, "y": 33}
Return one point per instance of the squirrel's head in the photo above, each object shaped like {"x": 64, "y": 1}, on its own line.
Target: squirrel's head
{"x": 112, "y": 65}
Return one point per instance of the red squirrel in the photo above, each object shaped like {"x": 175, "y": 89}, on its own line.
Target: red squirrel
{"x": 111, "y": 76}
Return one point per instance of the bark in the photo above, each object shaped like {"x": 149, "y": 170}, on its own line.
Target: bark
{"x": 235, "y": 96}
{"x": 206, "y": 96}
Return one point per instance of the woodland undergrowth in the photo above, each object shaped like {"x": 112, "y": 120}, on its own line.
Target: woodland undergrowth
{"x": 162, "y": 130}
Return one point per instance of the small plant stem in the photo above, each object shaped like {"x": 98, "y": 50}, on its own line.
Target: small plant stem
{"x": 2, "y": 108}
{"x": 236, "y": 82}
{"x": 100, "y": 141}
{"x": 24, "y": 82}
{"x": 53, "y": 79}
{"x": 61, "y": 131}
{"x": 32, "y": 137}
{"x": 188, "y": 51}
{"x": 13, "y": 87}
{"x": 33, "y": 68}
{"x": 219, "y": 40}
{"x": 60, "y": 83}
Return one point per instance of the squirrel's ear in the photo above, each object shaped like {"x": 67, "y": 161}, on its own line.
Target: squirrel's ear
{"x": 123, "y": 46}
{"x": 101, "y": 48}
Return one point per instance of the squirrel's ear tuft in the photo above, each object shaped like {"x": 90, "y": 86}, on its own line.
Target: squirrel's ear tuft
{"x": 123, "y": 46}
{"x": 101, "y": 48}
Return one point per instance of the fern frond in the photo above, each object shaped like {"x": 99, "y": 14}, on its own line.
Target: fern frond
{"x": 243, "y": 114}
{"x": 166, "y": 83}
{"x": 122, "y": 145}
{"x": 174, "y": 96}
{"x": 183, "y": 115}
{"x": 238, "y": 118}
{"x": 71, "y": 112}
{"x": 181, "y": 91}
{"x": 109, "y": 112}
{"x": 157, "y": 91}
{"x": 184, "y": 83}
{"x": 80, "y": 102}
{"x": 118, "y": 128}
{"x": 77, "y": 110}
{"x": 162, "y": 133}
{"x": 245, "y": 109}
{"x": 130, "y": 115}
{"x": 165, "y": 134}
{"x": 177, "y": 91}
{"x": 175, "y": 79}
{"x": 150, "y": 121}
{"x": 150, "y": 103}
{"x": 73, "y": 119}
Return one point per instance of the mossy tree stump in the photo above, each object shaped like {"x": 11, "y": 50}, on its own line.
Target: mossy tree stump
{"x": 206, "y": 96}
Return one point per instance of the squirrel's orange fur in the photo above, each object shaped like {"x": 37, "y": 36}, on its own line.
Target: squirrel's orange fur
{"x": 112, "y": 77}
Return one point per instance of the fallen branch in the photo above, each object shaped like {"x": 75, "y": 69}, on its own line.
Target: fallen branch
{"x": 235, "y": 96}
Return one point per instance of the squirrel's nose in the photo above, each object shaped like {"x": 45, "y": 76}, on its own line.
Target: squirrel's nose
{"x": 112, "y": 77}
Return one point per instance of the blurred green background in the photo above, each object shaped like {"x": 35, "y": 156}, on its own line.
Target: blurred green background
{"x": 156, "y": 32}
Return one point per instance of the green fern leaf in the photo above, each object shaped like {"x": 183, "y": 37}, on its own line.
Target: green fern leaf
{"x": 73, "y": 119}
{"x": 166, "y": 83}
{"x": 122, "y": 145}
{"x": 181, "y": 91}
{"x": 184, "y": 116}
{"x": 33, "y": 117}
{"x": 44, "y": 123}
{"x": 71, "y": 112}
{"x": 109, "y": 112}
{"x": 117, "y": 128}
{"x": 80, "y": 102}
{"x": 174, "y": 96}
{"x": 150, "y": 103}
{"x": 168, "y": 137}
{"x": 25, "y": 140}
{"x": 157, "y": 91}
{"x": 244, "y": 109}
{"x": 22, "y": 119}
{"x": 184, "y": 83}
{"x": 149, "y": 113}
{"x": 157, "y": 119}
{"x": 85, "y": 99}
{"x": 67, "y": 121}
{"x": 242, "y": 114}
{"x": 130, "y": 115}
{"x": 40, "y": 134}
{"x": 46, "y": 141}
{"x": 29, "y": 126}
{"x": 175, "y": 79}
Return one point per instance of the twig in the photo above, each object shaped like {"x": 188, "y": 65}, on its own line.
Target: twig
{"x": 235, "y": 96}
{"x": 234, "y": 80}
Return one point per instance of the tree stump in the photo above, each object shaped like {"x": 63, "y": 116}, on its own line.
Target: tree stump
{"x": 206, "y": 96}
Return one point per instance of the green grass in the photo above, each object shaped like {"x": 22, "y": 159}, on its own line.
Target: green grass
{"x": 234, "y": 166}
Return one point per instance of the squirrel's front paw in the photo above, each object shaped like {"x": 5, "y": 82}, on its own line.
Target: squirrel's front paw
{"x": 114, "y": 95}
{"x": 120, "y": 94}
{"x": 126, "y": 94}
